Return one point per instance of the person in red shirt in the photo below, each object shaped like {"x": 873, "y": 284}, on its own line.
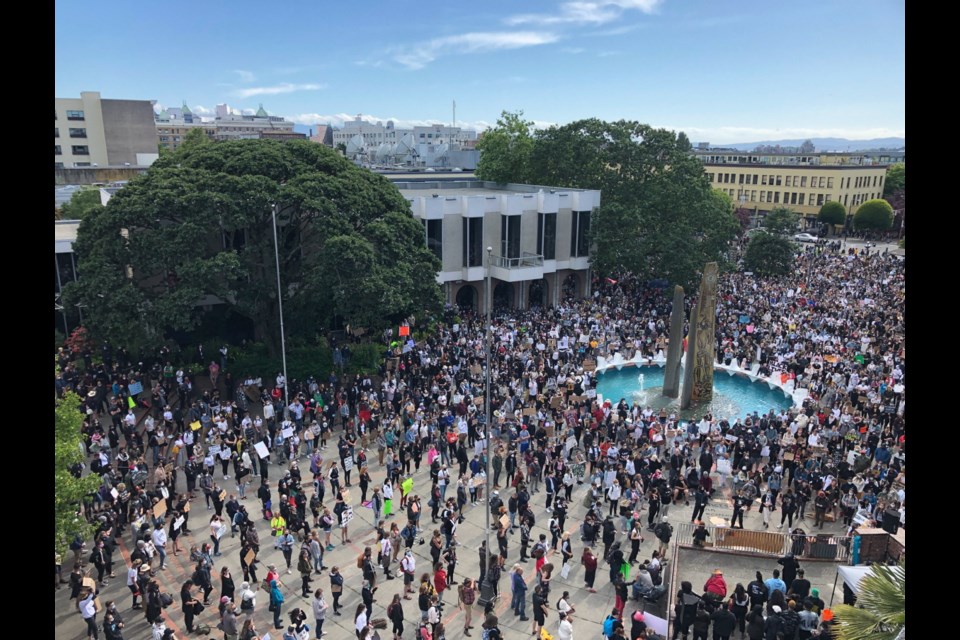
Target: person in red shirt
{"x": 590, "y": 569}
{"x": 716, "y": 584}
{"x": 439, "y": 580}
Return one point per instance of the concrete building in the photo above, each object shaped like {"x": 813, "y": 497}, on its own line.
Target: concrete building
{"x": 437, "y": 145}
{"x": 803, "y": 183}
{"x": 539, "y": 237}
{"x": 323, "y": 135}
{"x": 239, "y": 127}
{"x": 93, "y": 132}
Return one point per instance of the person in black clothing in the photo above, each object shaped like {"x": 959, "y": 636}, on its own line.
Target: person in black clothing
{"x": 739, "y": 502}
{"x": 685, "y": 609}
{"x": 700, "y": 503}
{"x": 800, "y": 587}
{"x": 790, "y": 567}
{"x": 701, "y": 623}
{"x": 757, "y": 591}
{"x": 724, "y": 623}
{"x": 188, "y": 604}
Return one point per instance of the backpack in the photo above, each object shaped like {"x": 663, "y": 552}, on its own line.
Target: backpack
{"x": 608, "y": 626}
{"x": 360, "y": 561}
{"x": 664, "y": 531}
{"x": 166, "y": 600}
{"x": 538, "y": 550}
{"x": 791, "y": 624}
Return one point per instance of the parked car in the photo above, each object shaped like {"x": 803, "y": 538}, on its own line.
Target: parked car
{"x": 805, "y": 237}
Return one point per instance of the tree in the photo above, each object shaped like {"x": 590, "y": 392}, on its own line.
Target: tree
{"x": 683, "y": 142}
{"x": 81, "y": 204}
{"x": 807, "y": 147}
{"x": 70, "y": 489}
{"x": 199, "y": 226}
{"x": 660, "y": 218}
{"x": 832, "y": 213}
{"x": 744, "y": 216}
{"x": 505, "y": 150}
{"x": 769, "y": 255}
{"x": 896, "y": 179}
{"x": 876, "y": 214}
{"x": 781, "y": 221}
{"x": 880, "y": 613}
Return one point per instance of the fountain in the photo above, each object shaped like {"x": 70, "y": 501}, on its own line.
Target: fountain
{"x": 640, "y": 379}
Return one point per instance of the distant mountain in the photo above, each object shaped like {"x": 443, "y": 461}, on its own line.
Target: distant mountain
{"x": 824, "y": 144}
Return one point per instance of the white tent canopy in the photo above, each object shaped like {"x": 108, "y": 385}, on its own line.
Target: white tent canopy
{"x": 852, "y": 576}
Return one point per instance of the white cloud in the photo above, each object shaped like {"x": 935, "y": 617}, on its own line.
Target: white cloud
{"x": 733, "y": 135}
{"x": 421, "y": 55}
{"x": 245, "y": 76}
{"x": 337, "y": 120}
{"x": 201, "y": 110}
{"x": 285, "y": 87}
{"x": 595, "y": 12}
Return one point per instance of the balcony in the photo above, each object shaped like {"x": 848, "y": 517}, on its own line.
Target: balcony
{"x": 529, "y": 266}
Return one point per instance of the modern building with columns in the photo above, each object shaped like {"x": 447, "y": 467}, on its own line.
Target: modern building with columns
{"x": 539, "y": 236}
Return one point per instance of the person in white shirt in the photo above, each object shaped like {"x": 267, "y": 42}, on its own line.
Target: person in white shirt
{"x": 159, "y": 537}
{"x": 565, "y": 632}
{"x": 88, "y": 609}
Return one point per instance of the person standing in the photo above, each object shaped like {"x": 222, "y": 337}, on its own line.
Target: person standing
{"x": 336, "y": 589}
{"x": 467, "y": 593}
{"x": 540, "y": 610}
{"x": 276, "y": 603}
{"x": 319, "y": 612}
{"x": 518, "y": 588}
{"x": 88, "y": 609}
{"x": 305, "y": 567}
{"x": 790, "y": 567}
{"x": 589, "y": 562}
{"x": 739, "y": 503}
{"x": 820, "y": 506}
{"x": 701, "y": 498}
{"x": 724, "y": 623}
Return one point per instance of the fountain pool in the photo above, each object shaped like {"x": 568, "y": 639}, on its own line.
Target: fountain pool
{"x": 733, "y": 396}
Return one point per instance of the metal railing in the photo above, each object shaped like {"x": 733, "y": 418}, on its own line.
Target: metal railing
{"x": 525, "y": 260}
{"x": 809, "y": 545}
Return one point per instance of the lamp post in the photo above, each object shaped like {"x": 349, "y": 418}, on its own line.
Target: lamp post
{"x": 486, "y": 589}
{"x": 283, "y": 343}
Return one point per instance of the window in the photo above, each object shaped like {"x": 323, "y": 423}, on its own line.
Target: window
{"x": 753, "y": 196}
{"x": 779, "y": 180}
{"x": 741, "y": 178}
{"x": 547, "y": 236}
{"x": 829, "y": 183}
{"x": 81, "y": 164}
{"x": 434, "y": 233}
{"x": 579, "y": 232}
{"x": 755, "y": 177}
{"x": 74, "y": 115}
{"x": 827, "y": 199}
{"x": 472, "y": 242}
{"x": 763, "y": 180}
{"x": 78, "y": 133}
{"x": 164, "y": 138}
{"x": 710, "y": 177}
{"x": 874, "y": 181}
{"x": 819, "y": 199}
{"x": 846, "y": 199}
{"x": 776, "y": 197}
{"x": 793, "y": 197}
{"x": 803, "y": 181}
{"x": 510, "y": 236}
{"x": 56, "y": 132}
{"x": 56, "y": 150}
{"x": 80, "y": 150}
{"x": 763, "y": 196}
{"x": 58, "y": 165}
{"x": 788, "y": 180}
{"x": 801, "y": 198}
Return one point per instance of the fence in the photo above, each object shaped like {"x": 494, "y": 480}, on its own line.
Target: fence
{"x": 810, "y": 546}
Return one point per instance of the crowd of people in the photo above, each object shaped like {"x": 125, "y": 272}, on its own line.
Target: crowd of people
{"x": 834, "y": 327}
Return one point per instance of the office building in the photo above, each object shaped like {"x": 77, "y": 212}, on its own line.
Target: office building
{"x": 90, "y": 131}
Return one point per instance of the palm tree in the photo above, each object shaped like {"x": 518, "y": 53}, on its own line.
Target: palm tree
{"x": 879, "y": 614}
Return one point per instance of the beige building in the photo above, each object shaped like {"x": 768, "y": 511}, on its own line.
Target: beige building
{"x": 539, "y": 237}
{"x": 94, "y": 132}
{"x": 803, "y": 183}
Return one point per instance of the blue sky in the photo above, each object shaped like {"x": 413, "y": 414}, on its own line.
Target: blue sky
{"x": 723, "y": 70}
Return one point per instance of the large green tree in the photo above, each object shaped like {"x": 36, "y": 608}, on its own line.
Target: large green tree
{"x": 197, "y": 228}
{"x": 81, "y": 204}
{"x": 659, "y": 216}
{"x": 876, "y": 214}
{"x": 505, "y": 150}
{"x": 70, "y": 490}
{"x": 781, "y": 221}
{"x": 769, "y": 255}
{"x": 895, "y": 180}
{"x": 832, "y": 212}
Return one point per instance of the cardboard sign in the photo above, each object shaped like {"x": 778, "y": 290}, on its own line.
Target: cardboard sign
{"x": 529, "y": 411}
{"x": 346, "y": 516}
{"x": 345, "y": 494}
{"x": 504, "y": 521}
{"x": 261, "y": 450}
{"x": 114, "y": 493}
{"x": 249, "y": 557}
{"x": 159, "y": 509}
{"x": 556, "y": 402}
{"x": 223, "y": 495}
{"x": 549, "y": 431}
{"x": 179, "y": 522}
{"x": 186, "y": 507}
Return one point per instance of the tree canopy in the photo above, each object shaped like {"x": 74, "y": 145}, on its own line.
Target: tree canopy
{"x": 197, "y": 228}
{"x": 769, "y": 255}
{"x": 70, "y": 489}
{"x": 781, "y": 221}
{"x": 659, "y": 217}
{"x": 832, "y": 212}
{"x": 505, "y": 150}
{"x": 876, "y": 214}
{"x": 895, "y": 180}
{"x": 80, "y": 204}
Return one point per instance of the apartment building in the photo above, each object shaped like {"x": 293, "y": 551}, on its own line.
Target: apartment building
{"x": 539, "y": 237}
{"x": 93, "y": 132}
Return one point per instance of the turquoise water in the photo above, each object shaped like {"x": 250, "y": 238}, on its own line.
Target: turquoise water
{"x": 733, "y": 396}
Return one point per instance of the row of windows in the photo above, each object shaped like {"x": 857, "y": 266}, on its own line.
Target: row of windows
{"x": 815, "y": 182}
{"x": 798, "y": 198}
{"x": 167, "y": 138}
{"x": 473, "y": 251}
{"x": 71, "y": 115}
{"x": 77, "y": 150}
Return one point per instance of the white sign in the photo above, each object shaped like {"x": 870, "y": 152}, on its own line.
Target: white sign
{"x": 214, "y": 450}
{"x": 286, "y": 433}
{"x": 261, "y": 450}
{"x": 225, "y": 454}
{"x": 179, "y": 522}
{"x": 164, "y": 492}
{"x": 115, "y": 493}
{"x": 346, "y": 516}
{"x": 348, "y": 463}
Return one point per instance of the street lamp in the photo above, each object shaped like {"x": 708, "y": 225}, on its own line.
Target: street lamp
{"x": 283, "y": 343}
{"x": 486, "y": 589}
